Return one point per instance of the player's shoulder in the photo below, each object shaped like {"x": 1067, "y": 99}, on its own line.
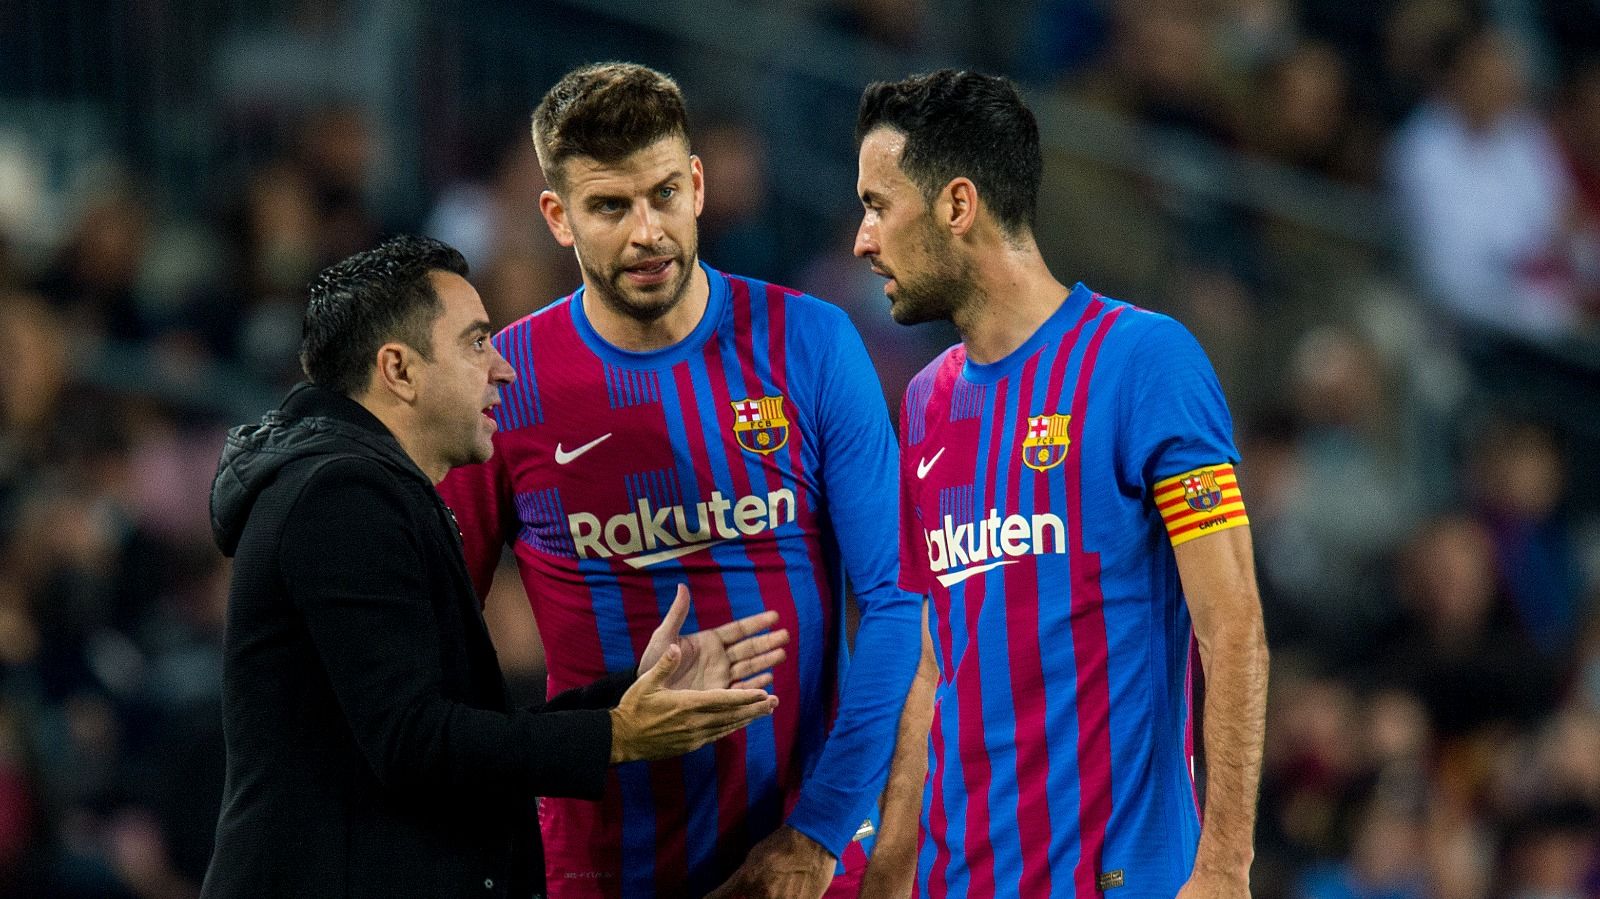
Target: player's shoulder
{"x": 920, "y": 389}
{"x": 554, "y": 315}
{"x": 1145, "y": 333}
{"x": 801, "y": 310}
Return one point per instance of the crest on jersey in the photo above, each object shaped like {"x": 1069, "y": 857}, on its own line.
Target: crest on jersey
{"x": 1201, "y": 491}
{"x": 1045, "y": 445}
{"x": 760, "y": 425}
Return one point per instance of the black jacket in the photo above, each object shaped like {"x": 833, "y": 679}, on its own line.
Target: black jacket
{"x": 369, "y": 748}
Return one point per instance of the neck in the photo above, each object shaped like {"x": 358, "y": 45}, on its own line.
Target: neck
{"x": 625, "y": 332}
{"x": 396, "y": 416}
{"x": 1016, "y": 294}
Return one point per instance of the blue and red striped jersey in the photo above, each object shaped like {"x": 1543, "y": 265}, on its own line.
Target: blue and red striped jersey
{"x": 1032, "y": 515}
{"x": 754, "y": 461}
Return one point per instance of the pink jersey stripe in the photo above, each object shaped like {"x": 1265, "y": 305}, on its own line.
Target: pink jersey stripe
{"x": 938, "y": 880}
{"x": 975, "y": 762}
{"x": 975, "y": 773}
{"x": 1089, "y": 646}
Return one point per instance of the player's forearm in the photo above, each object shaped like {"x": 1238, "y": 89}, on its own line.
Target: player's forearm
{"x": 892, "y": 869}
{"x": 854, "y": 765}
{"x": 1235, "y": 660}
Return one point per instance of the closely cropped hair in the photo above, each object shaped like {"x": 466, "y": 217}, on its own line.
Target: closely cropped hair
{"x": 367, "y": 300}
{"x": 606, "y": 112}
{"x": 963, "y": 124}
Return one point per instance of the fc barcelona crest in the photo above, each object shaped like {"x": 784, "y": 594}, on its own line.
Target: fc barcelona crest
{"x": 1045, "y": 445}
{"x": 1202, "y": 492}
{"x": 760, "y": 425}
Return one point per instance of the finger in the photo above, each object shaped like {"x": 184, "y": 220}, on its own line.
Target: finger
{"x": 746, "y": 649}
{"x": 759, "y": 682}
{"x": 662, "y": 670}
{"x": 717, "y": 700}
{"x": 752, "y": 646}
{"x": 736, "y": 717}
{"x": 766, "y": 660}
{"x": 739, "y": 628}
{"x": 678, "y": 612}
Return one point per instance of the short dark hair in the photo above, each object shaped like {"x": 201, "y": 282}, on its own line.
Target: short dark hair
{"x": 963, "y": 124}
{"x": 606, "y": 111}
{"x": 373, "y": 297}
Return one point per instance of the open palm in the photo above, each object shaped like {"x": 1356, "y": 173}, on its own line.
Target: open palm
{"x": 738, "y": 654}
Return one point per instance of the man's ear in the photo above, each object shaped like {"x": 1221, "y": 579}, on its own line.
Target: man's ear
{"x": 397, "y": 371}
{"x": 959, "y": 206}
{"x": 555, "y": 217}
{"x": 697, "y": 180}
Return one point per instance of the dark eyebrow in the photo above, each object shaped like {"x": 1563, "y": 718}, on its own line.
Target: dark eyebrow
{"x": 478, "y": 328}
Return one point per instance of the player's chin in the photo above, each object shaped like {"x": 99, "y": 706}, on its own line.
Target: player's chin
{"x": 908, "y": 313}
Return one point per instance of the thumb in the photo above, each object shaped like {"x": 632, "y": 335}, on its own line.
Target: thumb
{"x": 658, "y": 674}
{"x": 678, "y": 612}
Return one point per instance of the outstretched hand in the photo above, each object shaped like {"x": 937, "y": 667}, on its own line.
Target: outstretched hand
{"x": 739, "y": 654}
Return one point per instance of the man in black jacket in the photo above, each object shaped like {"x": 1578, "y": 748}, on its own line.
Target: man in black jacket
{"x": 370, "y": 751}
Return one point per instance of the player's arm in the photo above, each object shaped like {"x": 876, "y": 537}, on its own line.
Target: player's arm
{"x": 1219, "y": 580}
{"x": 892, "y": 870}
{"x": 1178, "y": 439}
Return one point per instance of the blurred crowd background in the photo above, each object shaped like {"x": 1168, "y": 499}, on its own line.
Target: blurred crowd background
{"x": 1382, "y": 219}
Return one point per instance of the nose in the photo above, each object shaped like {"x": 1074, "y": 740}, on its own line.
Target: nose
{"x": 500, "y": 371}
{"x": 866, "y": 240}
{"x": 646, "y": 224}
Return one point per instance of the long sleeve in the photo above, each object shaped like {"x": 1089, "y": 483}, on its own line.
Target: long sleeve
{"x": 353, "y": 564}
{"x": 860, "y": 475}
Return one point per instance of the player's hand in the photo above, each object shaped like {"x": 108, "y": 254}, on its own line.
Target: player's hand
{"x": 786, "y": 865}
{"x": 655, "y": 722}
{"x": 738, "y": 654}
{"x": 1215, "y": 885}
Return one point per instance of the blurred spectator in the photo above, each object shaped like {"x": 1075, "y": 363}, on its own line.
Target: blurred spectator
{"x": 1332, "y": 526}
{"x": 1478, "y": 177}
{"x": 1517, "y": 483}
{"x": 735, "y": 234}
{"x": 1305, "y": 117}
{"x": 94, "y": 278}
{"x": 1385, "y": 862}
{"x": 1460, "y": 648}
{"x": 1578, "y": 128}
{"x": 516, "y": 265}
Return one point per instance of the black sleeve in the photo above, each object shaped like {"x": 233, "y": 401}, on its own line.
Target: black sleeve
{"x": 604, "y": 693}
{"x": 357, "y": 577}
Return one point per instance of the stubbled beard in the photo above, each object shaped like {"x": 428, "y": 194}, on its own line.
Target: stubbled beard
{"x": 935, "y": 295}
{"x": 617, "y": 299}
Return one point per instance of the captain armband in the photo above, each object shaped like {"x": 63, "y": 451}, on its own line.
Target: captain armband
{"x": 1200, "y": 502}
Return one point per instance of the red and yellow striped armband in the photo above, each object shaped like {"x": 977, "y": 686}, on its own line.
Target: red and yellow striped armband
{"x": 1200, "y": 502}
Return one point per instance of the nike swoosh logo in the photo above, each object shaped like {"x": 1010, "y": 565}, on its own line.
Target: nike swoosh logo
{"x": 926, "y": 465}
{"x": 669, "y": 554}
{"x": 957, "y": 577}
{"x": 563, "y": 457}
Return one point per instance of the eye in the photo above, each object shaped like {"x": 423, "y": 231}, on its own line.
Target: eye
{"x": 667, "y": 193}
{"x": 608, "y": 207}
{"x": 479, "y": 343}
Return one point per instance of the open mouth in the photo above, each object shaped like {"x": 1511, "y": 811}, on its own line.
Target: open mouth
{"x": 649, "y": 271}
